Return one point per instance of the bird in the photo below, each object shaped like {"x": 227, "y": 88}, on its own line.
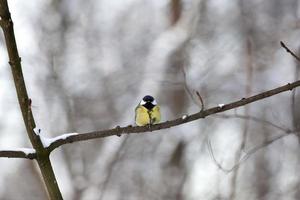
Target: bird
{"x": 147, "y": 112}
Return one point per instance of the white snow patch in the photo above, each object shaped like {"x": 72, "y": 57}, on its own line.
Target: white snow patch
{"x": 37, "y": 131}
{"x": 184, "y": 117}
{"x": 48, "y": 141}
{"x": 221, "y": 105}
{"x": 27, "y": 151}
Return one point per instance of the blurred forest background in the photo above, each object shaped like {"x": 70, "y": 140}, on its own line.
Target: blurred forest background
{"x": 87, "y": 64}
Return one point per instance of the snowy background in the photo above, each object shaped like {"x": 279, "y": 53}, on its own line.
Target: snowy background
{"x": 87, "y": 64}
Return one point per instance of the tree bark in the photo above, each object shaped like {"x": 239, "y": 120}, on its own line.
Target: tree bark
{"x": 42, "y": 155}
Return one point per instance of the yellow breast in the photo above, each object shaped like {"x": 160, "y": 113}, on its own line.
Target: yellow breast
{"x": 143, "y": 115}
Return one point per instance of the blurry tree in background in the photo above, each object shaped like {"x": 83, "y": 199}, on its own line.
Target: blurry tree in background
{"x": 88, "y": 63}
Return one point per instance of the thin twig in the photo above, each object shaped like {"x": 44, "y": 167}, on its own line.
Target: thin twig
{"x": 211, "y": 153}
{"x": 17, "y": 154}
{"x": 111, "y": 167}
{"x": 247, "y": 154}
{"x": 168, "y": 124}
{"x": 289, "y": 51}
{"x": 201, "y": 100}
{"x": 191, "y": 92}
{"x": 186, "y": 86}
{"x": 248, "y": 89}
{"x": 252, "y": 118}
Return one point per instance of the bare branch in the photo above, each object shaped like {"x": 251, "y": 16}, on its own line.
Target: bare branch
{"x": 253, "y": 118}
{"x": 16, "y": 68}
{"x": 25, "y": 103}
{"x": 201, "y": 100}
{"x": 289, "y": 51}
{"x": 211, "y": 153}
{"x": 187, "y": 88}
{"x": 168, "y": 124}
{"x": 248, "y": 89}
{"x": 247, "y": 154}
{"x": 111, "y": 167}
{"x": 17, "y": 154}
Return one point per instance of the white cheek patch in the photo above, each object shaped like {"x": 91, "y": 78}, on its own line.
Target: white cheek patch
{"x": 154, "y": 102}
{"x": 143, "y": 102}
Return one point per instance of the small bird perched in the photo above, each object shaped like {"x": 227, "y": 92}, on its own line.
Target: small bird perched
{"x": 147, "y": 112}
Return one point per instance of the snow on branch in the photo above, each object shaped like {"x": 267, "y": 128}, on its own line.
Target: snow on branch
{"x": 48, "y": 141}
{"x": 28, "y": 153}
